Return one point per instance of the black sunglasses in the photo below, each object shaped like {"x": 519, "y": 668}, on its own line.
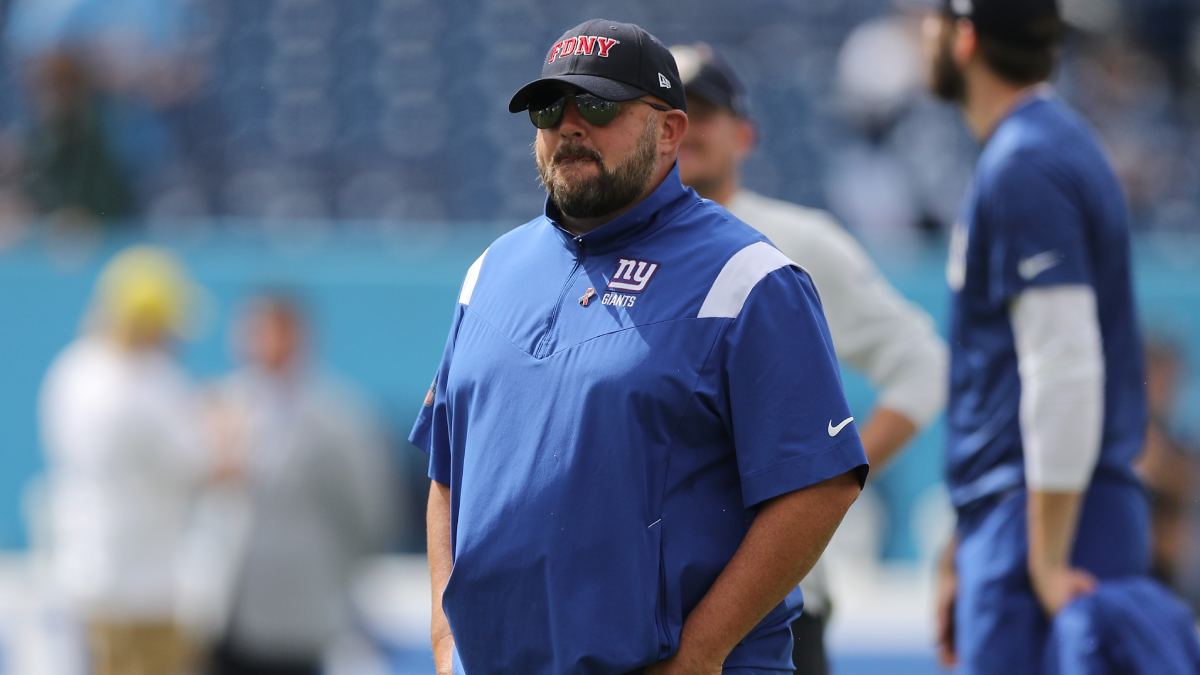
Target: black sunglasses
{"x": 594, "y": 109}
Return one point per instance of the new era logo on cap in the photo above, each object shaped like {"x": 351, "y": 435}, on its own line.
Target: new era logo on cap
{"x": 663, "y": 81}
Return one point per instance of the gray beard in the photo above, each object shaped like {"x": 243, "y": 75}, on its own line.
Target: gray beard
{"x": 607, "y": 192}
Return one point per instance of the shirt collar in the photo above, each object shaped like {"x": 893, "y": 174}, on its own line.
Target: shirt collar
{"x": 1034, "y": 94}
{"x": 653, "y": 212}
{"x": 1043, "y": 91}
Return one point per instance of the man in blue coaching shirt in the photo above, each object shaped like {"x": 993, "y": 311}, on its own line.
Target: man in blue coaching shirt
{"x": 638, "y": 439}
{"x": 1046, "y": 409}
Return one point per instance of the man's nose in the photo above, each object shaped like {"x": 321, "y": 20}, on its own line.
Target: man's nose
{"x": 572, "y": 125}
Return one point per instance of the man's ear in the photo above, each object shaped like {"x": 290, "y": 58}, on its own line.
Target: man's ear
{"x": 966, "y": 42}
{"x": 672, "y": 127}
{"x": 747, "y": 138}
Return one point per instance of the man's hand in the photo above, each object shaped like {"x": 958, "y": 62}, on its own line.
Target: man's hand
{"x": 1057, "y": 586}
{"x": 786, "y": 538}
{"x": 947, "y": 592}
{"x": 443, "y": 655}
{"x": 228, "y": 429}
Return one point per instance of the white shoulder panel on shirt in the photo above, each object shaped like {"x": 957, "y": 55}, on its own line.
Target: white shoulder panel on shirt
{"x": 468, "y": 287}
{"x": 740, "y": 275}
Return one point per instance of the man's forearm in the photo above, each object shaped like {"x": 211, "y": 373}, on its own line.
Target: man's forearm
{"x": 1060, "y": 359}
{"x": 441, "y": 561}
{"x": 1053, "y": 517}
{"x": 947, "y": 596}
{"x": 1052, "y": 520}
{"x": 884, "y": 435}
{"x": 784, "y": 542}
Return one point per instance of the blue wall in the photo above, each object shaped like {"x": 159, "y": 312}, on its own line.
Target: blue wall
{"x": 382, "y": 306}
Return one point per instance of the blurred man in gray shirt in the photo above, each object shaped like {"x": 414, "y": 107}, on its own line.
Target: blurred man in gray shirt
{"x": 320, "y": 486}
{"x": 875, "y": 331}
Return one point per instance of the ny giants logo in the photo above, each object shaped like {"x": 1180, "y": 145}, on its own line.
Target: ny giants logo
{"x": 583, "y": 44}
{"x": 632, "y": 275}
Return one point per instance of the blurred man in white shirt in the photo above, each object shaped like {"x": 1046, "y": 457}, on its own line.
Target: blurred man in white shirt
{"x": 126, "y": 452}
{"x": 321, "y": 494}
{"x": 874, "y": 330}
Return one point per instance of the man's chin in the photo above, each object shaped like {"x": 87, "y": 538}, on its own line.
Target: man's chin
{"x": 578, "y": 169}
{"x": 576, "y": 182}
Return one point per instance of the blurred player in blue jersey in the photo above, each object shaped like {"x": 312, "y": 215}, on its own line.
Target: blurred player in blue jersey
{"x": 1046, "y": 409}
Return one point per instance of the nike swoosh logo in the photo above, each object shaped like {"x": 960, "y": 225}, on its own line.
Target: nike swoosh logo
{"x": 1036, "y": 264}
{"x": 834, "y": 431}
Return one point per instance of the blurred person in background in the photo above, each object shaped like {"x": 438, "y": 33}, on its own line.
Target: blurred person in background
{"x": 108, "y": 83}
{"x": 16, "y": 207}
{"x": 1167, "y": 465}
{"x": 1168, "y": 28}
{"x": 1047, "y": 407}
{"x": 126, "y": 452}
{"x": 874, "y": 329}
{"x": 71, "y": 172}
{"x": 321, "y": 496}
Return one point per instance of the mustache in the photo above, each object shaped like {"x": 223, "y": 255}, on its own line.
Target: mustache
{"x": 576, "y": 150}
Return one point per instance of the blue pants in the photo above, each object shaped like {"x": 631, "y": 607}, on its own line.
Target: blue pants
{"x": 1000, "y": 628}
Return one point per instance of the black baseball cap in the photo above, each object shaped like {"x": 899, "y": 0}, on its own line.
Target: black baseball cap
{"x": 706, "y": 75}
{"x": 1027, "y": 23}
{"x": 616, "y": 61}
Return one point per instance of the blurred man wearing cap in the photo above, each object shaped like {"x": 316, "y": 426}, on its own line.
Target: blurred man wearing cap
{"x": 874, "y": 329}
{"x": 630, "y": 470}
{"x": 125, "y": 454}
{"x": 1046, "y": 409}
{"x": 320, "y": 483}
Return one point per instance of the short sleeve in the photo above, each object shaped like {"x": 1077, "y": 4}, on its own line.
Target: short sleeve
{"x": 787, "y": 413}
{"x": 1036, "y": 226}
{"x": 431, "y": 432}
